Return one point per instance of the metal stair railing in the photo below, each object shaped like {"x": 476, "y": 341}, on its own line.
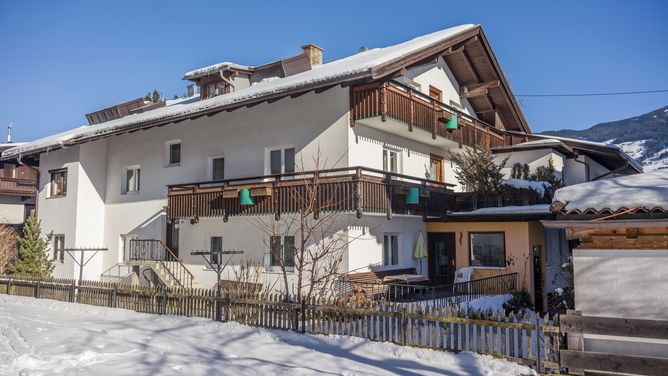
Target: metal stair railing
{"x": 156, "y": 250}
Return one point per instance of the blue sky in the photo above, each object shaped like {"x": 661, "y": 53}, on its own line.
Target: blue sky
{"x": 62, "y": 59}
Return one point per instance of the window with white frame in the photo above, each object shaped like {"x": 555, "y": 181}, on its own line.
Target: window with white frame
{"x": 282, "y": 249}
{"x": 217, "y": 167}
{"x": 216, "y": 245}
{"x": 281, "y": 160}
{"x": 173, "y": 153}
{"x": 390, "y": 160}
{"x": 131, "y": 179}
{"x": 58, "y": 244}
{"x": 390, "y": 249}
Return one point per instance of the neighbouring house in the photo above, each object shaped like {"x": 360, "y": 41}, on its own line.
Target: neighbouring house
{"x": 198, "y": 173}
{"x": 620, "y": 226}
{"x": 18, "y": 189}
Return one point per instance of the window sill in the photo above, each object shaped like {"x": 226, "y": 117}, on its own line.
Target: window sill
{"x": 59, "y": 196}
{"x": 130, "y": 193}
{"x": 277, "y": 270}
{"x": 488, "y": 267}
{"x": 173, "y": 165}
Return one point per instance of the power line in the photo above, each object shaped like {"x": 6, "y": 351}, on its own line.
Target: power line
{"x": 594, "y": 94}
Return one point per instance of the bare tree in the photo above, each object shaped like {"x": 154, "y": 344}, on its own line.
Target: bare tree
{"x": 8, "y": 241}
{"x": 308, "y": 244}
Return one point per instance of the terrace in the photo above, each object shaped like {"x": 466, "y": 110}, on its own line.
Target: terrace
{"x": 378, "y": 104}
{"x": 353, "y": 189}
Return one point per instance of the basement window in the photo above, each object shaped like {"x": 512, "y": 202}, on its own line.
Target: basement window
{"x": 59, "y": 248}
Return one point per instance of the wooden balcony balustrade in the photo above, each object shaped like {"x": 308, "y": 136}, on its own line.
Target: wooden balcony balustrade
{"x": 419, "y": 111}
{"x": 18, "y": 187}
{"x": 353, "y": 189}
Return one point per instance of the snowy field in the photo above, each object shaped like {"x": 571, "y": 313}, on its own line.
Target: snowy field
{"x": 45, "y": 337}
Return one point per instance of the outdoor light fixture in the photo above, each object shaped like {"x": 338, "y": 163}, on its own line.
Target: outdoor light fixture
{"x": 413, "y": 196}
{"x": 245, "y": 197}
{"x": 452, "y": 124}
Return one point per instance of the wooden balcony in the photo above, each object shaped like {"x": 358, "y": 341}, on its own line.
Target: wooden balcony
{"x": 355, "y": 189}
{"x": 18, "y": 187}
{"x": 395, "y": 101}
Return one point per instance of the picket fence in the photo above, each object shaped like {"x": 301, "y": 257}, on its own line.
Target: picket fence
{"x": 527, "y": 339}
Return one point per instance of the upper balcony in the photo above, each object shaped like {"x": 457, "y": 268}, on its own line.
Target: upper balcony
{"x": 18, "y": 187}
{"x": 377, "y": 103}
{"x": 355, "y": 189}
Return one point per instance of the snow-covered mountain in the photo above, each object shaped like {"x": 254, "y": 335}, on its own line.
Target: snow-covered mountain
{"x": 644, "y": 137}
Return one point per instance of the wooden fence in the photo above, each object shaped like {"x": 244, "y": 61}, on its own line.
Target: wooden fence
{"x": 524, "y": 338}
{"x": 579, "y": 359}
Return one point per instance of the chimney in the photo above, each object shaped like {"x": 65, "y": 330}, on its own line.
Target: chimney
{"x": 314, "y": 53}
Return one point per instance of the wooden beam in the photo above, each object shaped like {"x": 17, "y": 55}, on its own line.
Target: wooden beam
{"x": 616, "y": 363}
{"x": 477, "y": 90}
{"x": 614, "y": 326}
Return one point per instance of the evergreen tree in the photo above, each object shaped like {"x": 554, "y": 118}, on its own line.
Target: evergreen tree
{"x": 477, "y": 171}
{"x": 156, "y": 96}
{"x": 147, "y": 97}
{"x": 33, "y": 258}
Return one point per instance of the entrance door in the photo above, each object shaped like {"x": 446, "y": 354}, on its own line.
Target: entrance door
{"x": 441, "y": 257}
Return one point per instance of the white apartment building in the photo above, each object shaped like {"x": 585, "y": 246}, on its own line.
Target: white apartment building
{"x": 387, "y": 119}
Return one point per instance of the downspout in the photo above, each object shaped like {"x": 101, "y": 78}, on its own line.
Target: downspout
{"x": 226, "y": 80}
{"x": 584, "y": 163}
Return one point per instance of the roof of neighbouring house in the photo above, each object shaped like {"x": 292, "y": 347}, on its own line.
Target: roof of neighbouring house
{"x": 536, "y": 145}
{"x": 214, "y": 69}
{"x": 640, "y": 193}
{"x": 374, "y": 63}
{"x": 610, "y": 156}
{"x": 503, "y": 213}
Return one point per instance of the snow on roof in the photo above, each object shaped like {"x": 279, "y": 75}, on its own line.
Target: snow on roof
{"x": 351, "y": 67}
{"x": 538, "y": 186}
{"x": 648, "y": 190}
{"x": 213, "y": 69}
{"x": 526, "y": 209}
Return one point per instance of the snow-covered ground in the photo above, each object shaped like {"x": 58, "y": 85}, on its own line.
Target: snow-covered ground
{"x": 45, "y": 337}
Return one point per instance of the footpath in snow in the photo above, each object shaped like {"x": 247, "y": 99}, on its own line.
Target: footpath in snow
{"x": 46, "y": 337}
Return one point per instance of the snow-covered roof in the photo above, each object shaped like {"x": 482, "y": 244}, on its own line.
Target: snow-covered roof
{"x": 349, "y": 68}
{"x": 538, "y": 186}
{"x": 648, "y": 191}
{"x": 526, "y": 209}
{"x": 213, "y": 69}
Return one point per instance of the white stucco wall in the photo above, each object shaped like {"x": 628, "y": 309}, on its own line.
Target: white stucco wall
{"x": 12, "y": 209}
{"x": 534, "y": 158}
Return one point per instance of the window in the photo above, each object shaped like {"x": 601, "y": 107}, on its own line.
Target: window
{"x": 210, "y": 90}
{"x": 217, "y": 168}
{"x": 390, "y": 160}
{"x": 436, "y": 93}
{"x": 488, "y": 249}
{"x": 58, "y": 244}
{"x": 173, "y": 153}
{"x": 281, "y": 161}
{"x": 284, "y": 251}
{"x": 216, "y": 246}
{"x": 131, "y": 177}
{"x": 391, "y": 249}
{"x": 58, "y": 183}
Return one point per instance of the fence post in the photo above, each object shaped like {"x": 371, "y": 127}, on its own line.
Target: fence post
{"x": 163, "y": 308}
{"x": 537, "y": 322}
{"x": 9, "y": 286}
{"x": 73, "y": 293}
{"x": 404, "y": 326}
{"x": 303, "y": 315}
{"x": 227, "y": 302}
{"x": 37, "y": 289}
{"x": 114, "y": 296}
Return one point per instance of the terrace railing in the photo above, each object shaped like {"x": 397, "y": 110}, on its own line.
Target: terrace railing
{"x": 441, "y": 295}
{"x": 419, "y": 111}
{"x": 350, "y": 189}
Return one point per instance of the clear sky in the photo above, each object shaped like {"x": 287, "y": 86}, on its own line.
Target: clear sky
{"x": 62, "y": 59}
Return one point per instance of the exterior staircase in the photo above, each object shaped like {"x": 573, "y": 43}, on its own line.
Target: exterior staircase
{"x": 154, "y": 254}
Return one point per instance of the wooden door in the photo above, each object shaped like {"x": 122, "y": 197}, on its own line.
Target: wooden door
{"x": 436, "y": 168}
{"x": 441, "y": 249}
{"x": 436, "y": 93}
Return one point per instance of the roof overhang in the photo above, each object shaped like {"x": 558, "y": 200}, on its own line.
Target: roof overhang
{"x": 557, "y": 146}
{"x": 588, "y": 224}
{"x": 474, "y": 65}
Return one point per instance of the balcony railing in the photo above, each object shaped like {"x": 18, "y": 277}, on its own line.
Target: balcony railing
{"x": 353, "y": 189}
{"x": 418, "y": 111}
{"x": 18, "y": 187}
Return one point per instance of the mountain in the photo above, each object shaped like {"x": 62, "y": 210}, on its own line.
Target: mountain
{"x": 644, "y": 137}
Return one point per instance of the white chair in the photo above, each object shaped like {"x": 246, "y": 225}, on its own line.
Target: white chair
{"x": 461, "y": 276}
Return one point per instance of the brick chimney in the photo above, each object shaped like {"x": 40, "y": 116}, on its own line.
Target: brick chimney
{"x": 314, "y": 53}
